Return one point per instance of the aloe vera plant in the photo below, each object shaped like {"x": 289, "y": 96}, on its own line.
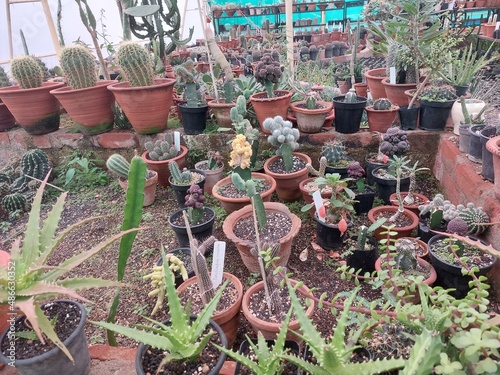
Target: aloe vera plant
{"x": 35, "y": 280}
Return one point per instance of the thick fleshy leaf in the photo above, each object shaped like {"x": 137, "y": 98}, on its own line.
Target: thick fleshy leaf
{"x": 48, "y": 330}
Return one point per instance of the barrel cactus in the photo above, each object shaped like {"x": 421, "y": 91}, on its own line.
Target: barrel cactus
{"x": 4, "y": 78}
{"x": 20, "y": 184}
{"x": 351, "y": 97}
{"x": 474, "y": 217}
{"x": 136, "y": 64}
{"x": 14, "y": 202}
{"x": 79, "y": 66}
{"x": 382, "y": 104}
{"x": 35, "y": 163}
{"x": 118, "y": 164}
{"x": 26, "y": 72}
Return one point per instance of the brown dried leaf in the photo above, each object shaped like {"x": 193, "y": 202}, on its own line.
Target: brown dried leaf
{"x": 316, "y": 247}
{"x": 334, "y": 255}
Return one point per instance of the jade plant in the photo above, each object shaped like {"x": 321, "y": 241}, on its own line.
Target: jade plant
{"x": 79, "y": 66}
{"x": 26, "y": 72}
{"x": 284, "y": 137}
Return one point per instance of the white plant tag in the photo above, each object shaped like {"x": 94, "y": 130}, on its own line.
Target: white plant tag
{"x": 218, "y": 263}
{"x": 392, "y": 75}
{"x": 177, "y": 141}
{"x": 318, "y": 203}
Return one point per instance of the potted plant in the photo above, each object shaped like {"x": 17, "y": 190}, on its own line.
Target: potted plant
{"x": 88, "y": 101}
{"x": 272, "y": 102}
{"x": 30, "y": 101}
{"x": 194, "y": 109}
{"x": 336, "y": 157}
{"x": 35, "y": 282}
{"x": 7, "y": 121}
{"x": 364, "y": 195}
{"x": 464, "y": 140}
{"x": 181, "y": 180}
{"x": 117, "y": 164}
{"x": 201, "y": 218}
{"x": 213, "y": 168}
{"x": 348, "y": 112}
{"x": 382, "y": 114}
{"x": 181, "y": 341}
{"x": 436, "y": 101}
{"x": 144, "y": 99}
{"x": 286, "y": 167}
{"x": 386, "y": 179}
{"x": 311, "y": 112}
{"x": 160, "y": 153}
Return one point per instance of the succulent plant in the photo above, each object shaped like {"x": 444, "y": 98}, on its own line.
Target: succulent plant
{"x": 382, "y": 104}
{"x": 186, "y": 77}
{"x": 26, "y": 72}
{"x": 4, "y": 78}
{"x": 14, "y": 202}
{"x": 35, "y": 163}
{"x": 194, "y": 202}
{"x": 474, "y": 217}
{"x": 283, "y": 136}
{"x": 79, "y": 66}
{"x": 334, "y": 152}
{"x": 268, "y": 72}
{"x": 355, "y": 170}
{"x": 394, "y": 142}
{"x": 184, "y": 177}
{"x": 438, "y": 92}
{"x": 119, "y": 165}
{"x": 162, "y": 149}
{"x": 136, "y": 64}
{"x": 406, "y": 258}
{"x": 351, "y": 96}
{"x": 458, "y": 226}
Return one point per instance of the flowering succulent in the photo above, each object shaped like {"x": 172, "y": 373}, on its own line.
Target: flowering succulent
{"x": 268, "y": 72}
{"x": 240, "y": 156}
{"x": 194, "y": 202}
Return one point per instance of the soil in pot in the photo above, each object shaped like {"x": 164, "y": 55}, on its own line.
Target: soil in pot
{"x": 386, "y": 183}
{"x": 404, "y": 224}
{"x": 418, "y": 199}
{"x": 200, "y": 231}
{"x": 278, "y": 226}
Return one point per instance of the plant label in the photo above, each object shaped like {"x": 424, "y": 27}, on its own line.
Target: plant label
{"x": 392, "y": 75}
{"x": 318, "y": 204}
{"x": 218, "y": 263}
{"x": 177, "y": 140}
{"x": 497, "y": 25}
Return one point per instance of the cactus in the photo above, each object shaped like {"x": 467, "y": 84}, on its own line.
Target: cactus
{"x": 45, "y": 71}
{"x": 474, "y": 217}
{"x": 328, "y": 46}
{"x": 382, "y": 104}
{"x": 394, "y": 142}
{"x": 79, "y": 66}
{"x": 162, "y": 149}
{"x": 136, "y": 64}
{"x": 321, "y": 170}
{"x": 438, "y": 209}
{"x": 193, "y": 56}
{"x": 35, "y": 163}
{"x": 334, "y": 152}
{"x": 14, "y": 202}
{"x": 27, "y": 72}
{"x": 194, "y": 202}
{"x": 184, "y": 177}
{"x": 186, "y": 77}
{"x": 256, "y": 199}
{"x": 406, "y": 258}
{"x": 205, "y": 285}
{"x": 119, "y": 165}
{"x": 284, "y": 137}
{"x": 4, "y": 188}
{"x": 438, "y": 92}
{"x": 4, "y": 79}
{"x": 458, "y": 226}
{"x": 351, "y": 97}
{"x": 20, "y": 184}
{"x": 304, "y": 50}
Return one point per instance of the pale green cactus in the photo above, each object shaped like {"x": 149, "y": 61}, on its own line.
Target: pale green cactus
{"x": 283, "y": 136}
{"x": 136, "y": 64}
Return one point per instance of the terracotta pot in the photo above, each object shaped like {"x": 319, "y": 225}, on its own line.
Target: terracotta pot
{"x": 244, "y": 245}
{"x": 34, "y": 109}
{"x": 234, "y": 204}
{"x": 268, "y": 329}
{"x": 395, "y": 92}
{"x": 89, "y": 108}
{"x": 488, "y": 29}
{"x": 162, "y": 166}
{"x": 423, "y": 247}
{"x": 146, "y": 107}
{"x": 412, "y": 208}
{"x": 311, "y": 120}
{"x": 361, "y": 89}
{"x": 7, "y": 121}
{"x": 149, "y": 188}
{"x": 212, "y": 176}
{"x": 374, "y": 79}
{"x": 221, "y": 112}
{"x": 493, "y": 146}
{"x": 228, "y": 319}
{"x": 270, "y": 107}
{"x": 4, "y": 309}
{"x": 381, "y": 120}
{"x": 287, "y": 184}
{"x": 307, "y": 197}
{"x": 401, "y": 231}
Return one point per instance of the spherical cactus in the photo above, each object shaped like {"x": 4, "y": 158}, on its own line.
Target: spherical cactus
{"x": 26, "y": 72}
{"x": 4, "y": 177}
{"x": 458, "y": 226}
{"x": 4, "y": 189}
{"x": 35, "y": 163}
{"x": 136, "y": 64}
{"x": 4, "y": 79}
{"x": 351, "y": 97}
{"x": 382, "y": 104}
{"x": 79, "y": 67}
{"x": 45, "y": 71}
{"x": 20, "y": 184}
{"x": 14, "y": 202}
{"x": 473, "y": 216}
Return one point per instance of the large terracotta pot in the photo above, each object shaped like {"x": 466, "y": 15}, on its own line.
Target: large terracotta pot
{"x": 493, "y": 146}
{"x": 233, "y": 204}
{"x": 221, "y": 112}
{"x": 311, "y": 120}
{"x": 400, "y": 231}
{"x": 381, "y": 120}
{"x": 395, "y": 92}
{"x": 161, "y": 166}
{"x": 90, "y": 108}
{"x": 245, "y": 245}
{"x": 287, "y": 184}
{"x": 374, "y": 79}
{"x": 7, "y": 121}
{"x": 36, "y": 110}
{"x": 146, "y": 107}
{"x": 269, "y": 329}
{"x": 228, "y": 319}
{"x": 149, "y": 188}
{"x": 270, "y": 107}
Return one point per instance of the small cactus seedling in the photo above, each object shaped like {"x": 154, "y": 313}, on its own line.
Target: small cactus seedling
{"x": 283, "y": 136}
{"x": 79, "y": 67}
{"x": 26, "y": 72}
{"x": 382, "y": 104}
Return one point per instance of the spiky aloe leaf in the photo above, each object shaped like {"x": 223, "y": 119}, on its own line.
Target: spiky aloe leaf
{"x": 424, "y": 354}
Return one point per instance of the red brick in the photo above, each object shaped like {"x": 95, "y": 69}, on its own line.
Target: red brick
{"x": 66, "y": 139}
{"x": 4, "y": 139}
{"x": 117, "y": 140}
{"x": 41, "y": 141}
{"x": 228, "y": 368}
{"x": 109, "y": 353}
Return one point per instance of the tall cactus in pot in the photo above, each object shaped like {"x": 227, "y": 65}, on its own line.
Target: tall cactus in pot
{"x": 27, "y": 72}
{"x": 136, "y": 64}
{"x": 79, "y": 67}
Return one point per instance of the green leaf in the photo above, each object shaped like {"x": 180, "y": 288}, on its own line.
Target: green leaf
{"x": 142, "y": 10}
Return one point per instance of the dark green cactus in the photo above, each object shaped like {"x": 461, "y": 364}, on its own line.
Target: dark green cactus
{"x": 26, "y": 72}
{"x": 382, "y": 104}
{"x": 4, "y": 78}
{"x": 184, "y": 177}
{"x": 4, "y": 177}
{"x": 20, "y": 184}
{"x": 119, "y": 165}
{"x": 4, "y": 188}
{"x": 79, "y": 66}
{"x": 334, "y": 153}
{"x": 35, "y": 163}
{"x": 162, "y": 149}
{"x": 136, "y": 64}
{"x": 14, "y": 202}
{"x": 45, "y": 71}
{"x": 474, "y": 217}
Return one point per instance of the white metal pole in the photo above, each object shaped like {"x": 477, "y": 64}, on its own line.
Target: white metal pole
{"x": 289, "y": 33}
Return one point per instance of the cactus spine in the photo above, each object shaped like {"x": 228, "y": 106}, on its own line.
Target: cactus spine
{"x": 35, "y": 163}
{"x": 14, "y": 202}
{"x": 474, "y": 217}
{"x": 119, "y": 165}
{"x": 27, "y": 72}
{"x": 4, "y": 79}
{"x": 79, "y": 67}
{"x": 382, "y": 104}
{"x": 136, "y": 64}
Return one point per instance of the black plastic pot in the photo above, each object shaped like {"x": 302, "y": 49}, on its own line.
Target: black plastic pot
{"x": 180, "y": 190}
{"x": 200, "y": 231}
{"x": 461, "y": 90}
{"x": 475, "y": 148}
{"x": 142, "y": 349}
{"x": 364, "y": 260}
{"x": 348, "y": 115}
{"x": 328, "y": 53}
{"x": 369, "y": 167}
{"x": 328, "y": 236}
{"x": 487, "y": 170}
{"x": 408, "y": 118}
{"x": 184, "y": 254}
{"x": 55, "y": 362}
{"x": 425, "y": 233}
{"x": 365, "y": 201}
{"x": 194, "y": 119}
{"x": 433, "y": 115}
{"x": 386, "y": 187}
{"x": 464, "y": 138}
{"x": 449, "y": 275}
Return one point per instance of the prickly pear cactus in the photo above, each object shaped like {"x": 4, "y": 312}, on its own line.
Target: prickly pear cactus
{"x": 35, "y": 163}
{"x": 382, "y": 104}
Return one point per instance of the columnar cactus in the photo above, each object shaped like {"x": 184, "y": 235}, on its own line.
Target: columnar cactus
{"x": 4, "y": 78}
{"x": 26, "y": 72}
{"x": 79, "y": 66}
{"x": 406, "y": 258}
{"x": 186, "y": 77}
{"x": 382, "y": 104}
{"x": 35, "y": 163}
{"x": 179, "y": 177}
{"x": 136, "y": 64}
{"x": 119, "y": 165}
{"x": 162, "y": 149}
{"x": 283, "y": 136}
